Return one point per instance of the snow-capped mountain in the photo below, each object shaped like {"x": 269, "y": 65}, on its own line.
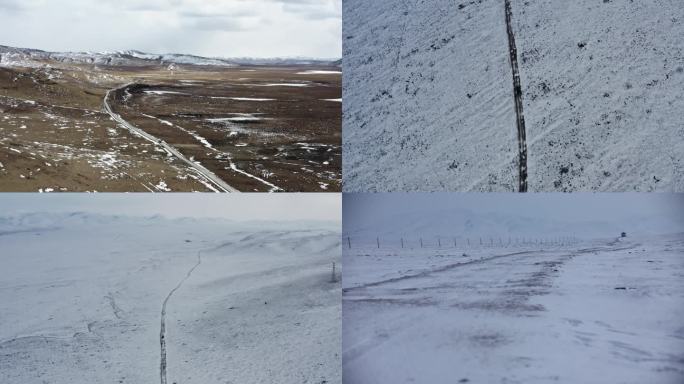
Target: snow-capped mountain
{"x": 26, "y": 57}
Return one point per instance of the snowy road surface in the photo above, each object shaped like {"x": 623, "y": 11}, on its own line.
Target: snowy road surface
{"x": 605, "y": 312}
{"x": 81, "y": 297}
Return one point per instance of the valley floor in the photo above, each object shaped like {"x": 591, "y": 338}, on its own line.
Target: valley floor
{"x": 255, "y": 128}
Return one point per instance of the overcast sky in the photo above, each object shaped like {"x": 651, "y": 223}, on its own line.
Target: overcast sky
{"x": 576, "y": 207}
{"x": 220, "y": 28}
{"x": 239, "y": 206}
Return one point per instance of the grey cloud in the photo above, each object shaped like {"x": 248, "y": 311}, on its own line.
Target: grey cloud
{"x": 313, "y": 9}
{"x": 209, "y": 15}
{"x": 218, "y": 24}
{"x": 313, "y": 13}
{"x": 12, "y": 6}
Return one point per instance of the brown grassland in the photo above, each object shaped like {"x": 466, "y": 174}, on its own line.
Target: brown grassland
{"x": 258, "y": 128}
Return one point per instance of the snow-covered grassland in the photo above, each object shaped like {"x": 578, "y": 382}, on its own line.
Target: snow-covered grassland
{"x": 567, "y": 299}
{"x": 428, "y": 95}
{"x": 81, "y": 298}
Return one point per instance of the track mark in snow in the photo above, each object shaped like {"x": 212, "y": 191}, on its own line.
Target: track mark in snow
{"x": 517, "y": 95}
{"x": 118, "y": 312}
{"x": 162, "y": 331}
{"x": 436, "y": 270}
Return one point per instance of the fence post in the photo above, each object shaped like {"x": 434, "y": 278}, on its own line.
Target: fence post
{"x": 402, "y": 242}
{"x": 349, "y": 242}
{"x": 439, "y": 242}
{"x": 334, "y": 276}
{"x": 421, "y": 242}
{"x": 378, "y": 240}
{"x": 455, "y": 243}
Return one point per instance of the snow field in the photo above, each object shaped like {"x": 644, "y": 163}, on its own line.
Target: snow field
{"x": 81, "y": 295}
{"x": 598, "y": 311}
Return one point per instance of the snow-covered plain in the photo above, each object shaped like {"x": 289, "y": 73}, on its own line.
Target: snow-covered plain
{"x": 429, "y": 95}
{"x": 594, "y": 312}
{"x": 513, "y": 288}
{"x": 81, "y": 298}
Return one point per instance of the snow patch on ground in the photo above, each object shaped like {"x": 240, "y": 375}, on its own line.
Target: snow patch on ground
{"x": 281, "y": 85}
{"x": 316, "y": 72}
{"x": 239, "y": 117}
{"x": 164, "y": 92}
{"x": 249, "y": 99}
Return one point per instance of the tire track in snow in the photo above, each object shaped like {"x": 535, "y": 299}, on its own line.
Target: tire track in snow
{"x": 517, "y": 95}
{"x": 162, "y": 331}
{"x": 436, "y": 270}
{"x": 607, "y": 248}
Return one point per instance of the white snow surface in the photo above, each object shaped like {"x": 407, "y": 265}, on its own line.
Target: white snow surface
{"x": 429, "y": 95}
{"x": 318, "y": 72}
{"x": 164, "y": 93}
{"x": 250, "y": 99}
{"x": 282, "y": 85}
{"x": 602, "y": 311}
{"x": 244, "y": 117}
{"x": 81, "y": 294}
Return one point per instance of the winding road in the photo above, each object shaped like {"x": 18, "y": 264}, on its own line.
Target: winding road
{"x": 204, "y": 172}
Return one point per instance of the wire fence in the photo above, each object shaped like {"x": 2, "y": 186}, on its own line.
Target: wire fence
{"x": 456, "y": 242}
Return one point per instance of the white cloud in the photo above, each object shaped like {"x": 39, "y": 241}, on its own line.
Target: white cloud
{"x": 224, "y": 28}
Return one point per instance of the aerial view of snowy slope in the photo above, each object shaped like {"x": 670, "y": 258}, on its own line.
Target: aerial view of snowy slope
{"x": 508, "y": 289}
{"x": 228, "y": 110}
{"x": 513, "y": 95}
{"x": 97, "y": 297}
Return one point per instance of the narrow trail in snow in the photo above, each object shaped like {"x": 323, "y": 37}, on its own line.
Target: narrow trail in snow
{"x": 437, "y": 270}
{"x": 517, "y": 95}
{"x": 162, "y": 332}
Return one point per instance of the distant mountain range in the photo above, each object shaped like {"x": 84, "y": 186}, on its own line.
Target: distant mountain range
{"x": 29, "y": 221}
{"x": 26, "y": 57}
